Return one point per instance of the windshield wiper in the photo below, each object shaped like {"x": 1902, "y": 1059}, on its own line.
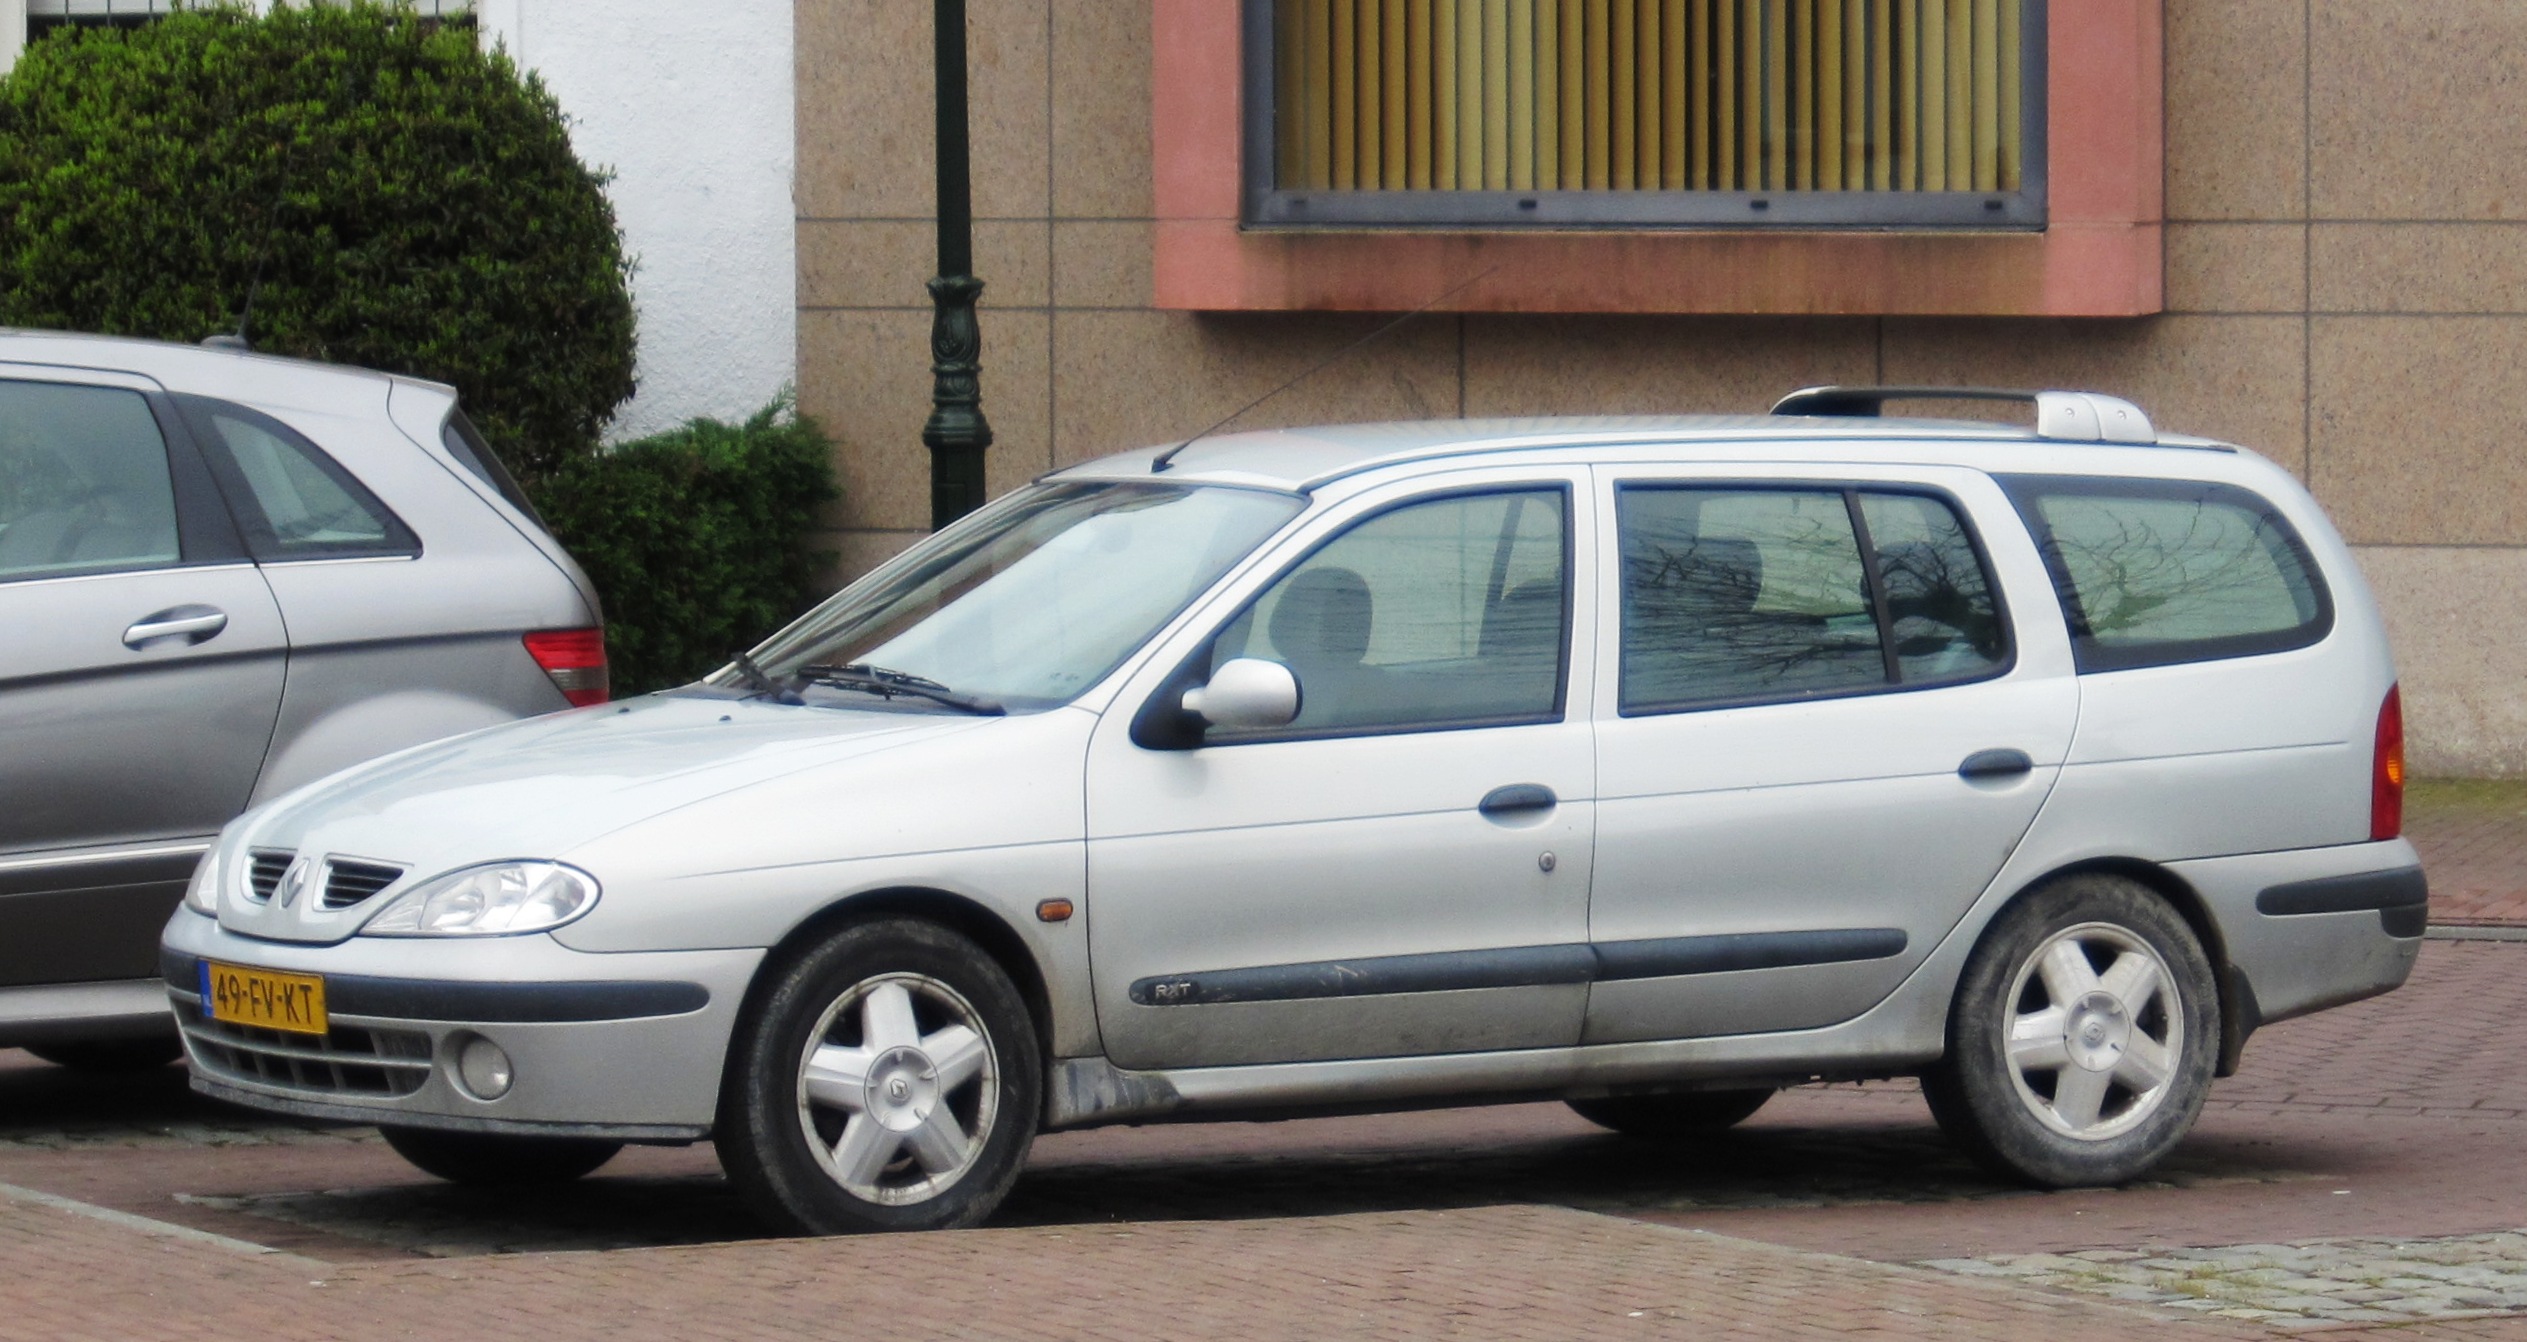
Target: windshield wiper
{"x": 880, "y": 681}
{"x": 762, "y": 681}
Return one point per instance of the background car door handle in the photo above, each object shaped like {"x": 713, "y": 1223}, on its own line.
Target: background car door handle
{"x": 1517, "y": 797}
{"x": 193, "y": 624}
{"x": 1995, "y": 764}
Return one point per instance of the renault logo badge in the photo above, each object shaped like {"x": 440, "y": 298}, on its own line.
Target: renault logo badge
{"x": 293, "y": 881}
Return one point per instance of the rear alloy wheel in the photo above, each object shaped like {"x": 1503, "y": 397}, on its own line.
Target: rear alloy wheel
{"x": 497, "y": 1160}
{"x": 1683, "y": 1115}
{"x": 890, "y": 1082}
{"x": 2083, "y": 1037}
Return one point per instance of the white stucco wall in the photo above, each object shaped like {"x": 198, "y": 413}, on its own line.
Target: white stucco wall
{"x": 689, "y": 103}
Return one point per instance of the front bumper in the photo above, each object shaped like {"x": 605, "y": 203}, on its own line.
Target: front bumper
{"x": 626, "y": 1046}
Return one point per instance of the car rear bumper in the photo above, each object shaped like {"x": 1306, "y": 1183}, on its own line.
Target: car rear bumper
{"x": 2313, "y": 928}
{"x": 627, "y": 1046}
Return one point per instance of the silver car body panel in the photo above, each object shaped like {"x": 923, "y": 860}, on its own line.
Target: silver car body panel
{"x": 1841, "y": 816}
{"x": 322, "y": 663}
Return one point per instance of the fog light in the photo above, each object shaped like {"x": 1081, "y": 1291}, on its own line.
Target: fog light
{"x": 483, "y": 1069}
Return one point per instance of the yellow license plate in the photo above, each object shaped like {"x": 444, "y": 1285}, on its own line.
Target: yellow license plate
{"x": 264, "y": 998}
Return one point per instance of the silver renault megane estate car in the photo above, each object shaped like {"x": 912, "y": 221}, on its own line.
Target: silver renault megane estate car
{"x": 1650, "y": 764}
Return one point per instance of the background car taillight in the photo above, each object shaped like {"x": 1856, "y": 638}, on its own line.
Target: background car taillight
{"x": 2386, "y": 770}
{"x": 575, "y": 659}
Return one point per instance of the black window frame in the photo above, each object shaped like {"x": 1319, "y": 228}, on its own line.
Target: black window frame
{"x": 253, "y": 525}
{"x": 205, "y": 534}
{"x": 1162, "y": 724}
{"x": 2026, "y": 493}
{"x": 1266, "y": 206}
{"x": 1852, "y": 491}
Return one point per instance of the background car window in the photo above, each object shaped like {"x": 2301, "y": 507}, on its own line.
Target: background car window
{"x": 1742, "y": 594}
{"x": 2157, "y": 572}
{"x": 292, "y": 501}
{"x": 83, "y": 482}
{"x": 1438, "y": 613}
{"x": 1940, "y": 608}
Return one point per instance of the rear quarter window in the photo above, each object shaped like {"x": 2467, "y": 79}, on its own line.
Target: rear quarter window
{"x": 2156, "y": 572}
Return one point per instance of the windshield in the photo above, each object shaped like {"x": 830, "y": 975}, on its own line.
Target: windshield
{"x": 1031, "y": 600}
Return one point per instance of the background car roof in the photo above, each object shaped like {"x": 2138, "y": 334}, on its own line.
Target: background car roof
{"x": 268, "y": 380}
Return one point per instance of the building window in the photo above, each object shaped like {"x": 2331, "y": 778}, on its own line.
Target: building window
{"x": 1646, "y": 113}
{"x": 45, "y": 16}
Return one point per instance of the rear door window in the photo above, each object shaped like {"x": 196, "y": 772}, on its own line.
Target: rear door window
{"x": 84, "y": 484}
{"x": 2154, "y": 572}
{"x": 1757, "y": 594}
{"x": 291, "y": 500}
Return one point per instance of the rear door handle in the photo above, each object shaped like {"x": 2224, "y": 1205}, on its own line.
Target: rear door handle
{"x": 1517, "y": 797}
{"x": 1995, "y": 764}
{"x": 193, "y": 624}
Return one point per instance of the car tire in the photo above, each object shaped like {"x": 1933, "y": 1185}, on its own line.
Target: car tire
{"x": 1685, "y": 1114}
{"x": 889, "y": 1080}
{"x": 110, "y": 1055}
{"x": 2082, "y": 1038}
{"x": 488, "y": 1159}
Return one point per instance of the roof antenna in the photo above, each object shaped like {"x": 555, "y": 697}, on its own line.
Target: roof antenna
{"x": 1160, "y": 462}
{"x": 236, "y": 340}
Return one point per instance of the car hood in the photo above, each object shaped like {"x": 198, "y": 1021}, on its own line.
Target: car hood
{"x": 543, "y": 787}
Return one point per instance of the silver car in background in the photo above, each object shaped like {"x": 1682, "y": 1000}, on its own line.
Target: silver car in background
{"x": 222, "y": 576}
{"x": 1651, "y": 765}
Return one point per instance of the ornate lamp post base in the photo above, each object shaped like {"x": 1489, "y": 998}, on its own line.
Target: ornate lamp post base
{"x": 956, "y": 432}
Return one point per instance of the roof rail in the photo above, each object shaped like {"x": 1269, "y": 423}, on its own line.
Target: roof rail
{"x": 2066, "y": 416}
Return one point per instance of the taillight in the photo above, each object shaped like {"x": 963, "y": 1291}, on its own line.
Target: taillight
{"x": 575, "y": 659}
{"x": 2386, "y": 770}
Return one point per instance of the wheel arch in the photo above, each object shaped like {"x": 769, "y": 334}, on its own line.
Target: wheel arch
{"x": 2238, "y": 1017}
{"x": 958, "y": 913}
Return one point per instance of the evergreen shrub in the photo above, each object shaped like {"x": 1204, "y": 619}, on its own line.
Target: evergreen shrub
{"x": 389, "y": 194}
{"x": 695, "y": 539}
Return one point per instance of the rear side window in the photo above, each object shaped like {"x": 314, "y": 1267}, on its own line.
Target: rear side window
{"x": 2155, "y": 572}
{"x": 472, "y": 451}
{"x": 84, "y": 486}
{"x": 291, "y": 500}
{"x": 1741, "y": 595}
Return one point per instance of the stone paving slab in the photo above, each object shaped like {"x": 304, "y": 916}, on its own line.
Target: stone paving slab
{"x": 1481, "y": 1273}
{"x": 2472, "y": 836}
{"x": 2318, "y": 1281}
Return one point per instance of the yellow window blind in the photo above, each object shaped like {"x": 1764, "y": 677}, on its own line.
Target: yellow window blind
{"x": 1648, "y": 95}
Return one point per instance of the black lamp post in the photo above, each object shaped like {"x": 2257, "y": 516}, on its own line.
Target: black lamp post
{"x": 956, "y": 432}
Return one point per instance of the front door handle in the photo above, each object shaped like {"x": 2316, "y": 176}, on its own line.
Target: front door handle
{"x": 1517, "y": 797}
{"x": 193, "y": 624}
{"x": 1995, "y": 764}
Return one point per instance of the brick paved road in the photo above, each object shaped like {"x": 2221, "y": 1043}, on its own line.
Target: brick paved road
{"x": 2473, "y": 841}
{"x": 2371, "y": 1152}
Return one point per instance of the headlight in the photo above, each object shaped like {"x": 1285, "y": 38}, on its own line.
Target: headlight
{"x": 202, "y": 896}
{"x": 495, "y": 900}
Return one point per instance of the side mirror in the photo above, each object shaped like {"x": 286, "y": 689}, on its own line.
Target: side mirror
{"x": 1246, "y": 692}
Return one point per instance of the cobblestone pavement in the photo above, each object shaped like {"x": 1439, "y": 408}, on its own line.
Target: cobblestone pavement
{"x": 2319, "y": 1281}
{"x": 2373, "y": 1149}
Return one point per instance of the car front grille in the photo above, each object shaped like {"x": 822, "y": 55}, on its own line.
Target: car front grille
{"x": 264, "y": 870}
{"x": 351, "y": 1060}
{"x": 348, "y": 882}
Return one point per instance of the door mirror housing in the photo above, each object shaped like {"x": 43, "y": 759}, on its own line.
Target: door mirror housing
{"x": 1246, "y": 693}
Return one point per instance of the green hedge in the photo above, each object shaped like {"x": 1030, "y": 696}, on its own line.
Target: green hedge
{"x": 694, "y": 539}
{"x": 410, "y": 202}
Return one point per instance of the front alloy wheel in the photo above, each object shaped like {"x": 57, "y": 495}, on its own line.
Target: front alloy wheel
{"x": 897, "y": 1091}
{"x": 888, "y": 1080}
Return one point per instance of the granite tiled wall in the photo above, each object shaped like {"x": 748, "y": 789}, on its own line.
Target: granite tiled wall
{"x": 2346, "y": 287}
